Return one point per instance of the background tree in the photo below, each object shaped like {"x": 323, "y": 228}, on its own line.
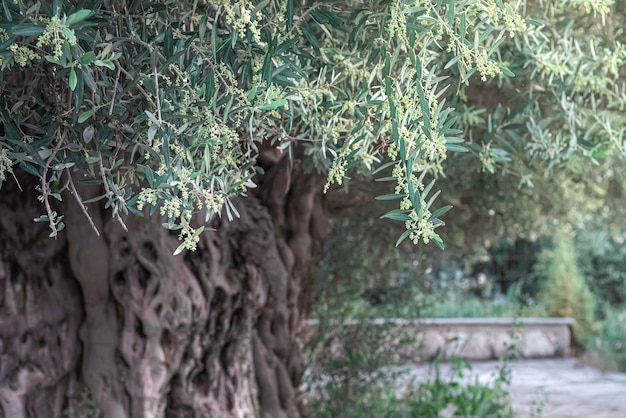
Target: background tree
{"x": 120, "y": 117}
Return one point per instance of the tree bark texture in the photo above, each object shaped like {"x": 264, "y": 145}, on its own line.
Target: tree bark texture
{"x": 116, "y": 326}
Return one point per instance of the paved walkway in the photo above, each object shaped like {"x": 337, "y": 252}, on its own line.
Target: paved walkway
{"x": 572, "y": 391}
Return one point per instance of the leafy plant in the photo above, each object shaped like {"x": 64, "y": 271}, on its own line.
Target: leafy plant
{"x": 607, "y": 348}
{"x": 603, "y": 257}
{"x": 472, "y": 399}
{"x": 565, "y": 292}
{"x": 433, "y": 396}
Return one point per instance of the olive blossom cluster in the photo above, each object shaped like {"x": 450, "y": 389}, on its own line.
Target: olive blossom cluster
{"x": 601, "y": 7}
{"x": 55, "y": 35}
{"x": 23, "y": 55}
{"x": 419, "y": 122}
{"x": 50, "y": 39}
{"x": 5, "y": 164}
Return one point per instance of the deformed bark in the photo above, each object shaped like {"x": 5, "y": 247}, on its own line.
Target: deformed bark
{"x": 40, "y": 313}
{"x": 212, "y": 333}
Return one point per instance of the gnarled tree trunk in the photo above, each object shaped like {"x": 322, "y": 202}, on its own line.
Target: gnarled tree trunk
{"x": 143, "y": 333}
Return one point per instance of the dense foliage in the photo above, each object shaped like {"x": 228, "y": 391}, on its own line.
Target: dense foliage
{"x": 170, "y": 104}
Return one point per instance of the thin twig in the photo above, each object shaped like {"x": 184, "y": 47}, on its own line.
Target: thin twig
{"x": 105, "y": 182}
{"x": 19, "y": 186}
{"x": 134, "y": 40}
{"x": 131, "y": 78}
{"x": 44, "y": 187}
{"x": 80, "y": 202}
{"x": 117, "y": 78}
{"x": 156, "y": 86}
{"x": 109, "y": 194}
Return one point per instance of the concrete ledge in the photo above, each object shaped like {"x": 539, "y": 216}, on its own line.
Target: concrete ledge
{"x": 469, "y": 338}
{"x": 455, "y": 321}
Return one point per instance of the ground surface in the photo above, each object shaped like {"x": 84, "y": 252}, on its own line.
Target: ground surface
{"x": 572, "y": 391}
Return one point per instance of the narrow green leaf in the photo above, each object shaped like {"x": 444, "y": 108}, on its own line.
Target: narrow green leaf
{"x": 289, "y": 13}
{"x": 86, "y": 115}
{"x": 56, "y": 7}
{"x": 274, "y": 105}
{"x": 79, "y": 91}
{"x": 87, "y": 58}
{"x": 168, "y": 42}
{"x": 152, "y": 130}
{"x": 440, "y": 212}
{"x": 10, "y": 130}
{"x": 396, "y": 215}
{"x": 152, "y": 117}
{"x": 166, "y": 150}
{"x": 463, "y": 27}
{"x": 404, "y": 235}
{"x": 432, "y": 199}
{"x": 507, "y": 72}
{"x": 425, "y": 111}
{"x": 71, "y": 38}
{"x": 484, "y": 34}
{"x": 179, "y": 249}
{"x": 438, "y": 242}
{"x": 72, "y": 80}
{"x": 310, "y": 37}
{"x": 414, "y": 196}
{"x": 214, "y": 36}
{"x": 469, "y": 74}
{"x": 210, "y": 86}
{"x": 451, "y": 15}
{"x": 415, "y": 27}
{"x": 285, "y": 46}
{"x": 78, "y": 16}
{"x": 453, "y": 61}
{"x": 30, "y": 169}
{"x": 428, "y": 188}
{"x": 202, "y": 28}
{"x": 28, "y": 29}
{"x": 252, "y": 93}
{"x": 392, "y": 196}
{"x": 171, "y": 225}
{"x": 456, "y": 148}
{"x": 105, "y": 63}
{"x": 88, "y": 78}
{"x": 384, "y": 166}
{"x": 7, "y": 11}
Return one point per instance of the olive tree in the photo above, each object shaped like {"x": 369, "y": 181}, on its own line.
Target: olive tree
{"x": 167, "y": 170}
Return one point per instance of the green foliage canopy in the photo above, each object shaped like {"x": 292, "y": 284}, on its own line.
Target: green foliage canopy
{"x": 168, "y": 105}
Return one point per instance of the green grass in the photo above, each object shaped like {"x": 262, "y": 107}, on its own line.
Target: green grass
{"x": 464, "y": 306}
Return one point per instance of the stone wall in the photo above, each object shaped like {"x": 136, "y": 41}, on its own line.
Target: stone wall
{"x": 473, "y": 338}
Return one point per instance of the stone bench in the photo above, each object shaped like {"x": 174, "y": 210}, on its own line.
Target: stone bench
{"x": 472, "y": 338}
